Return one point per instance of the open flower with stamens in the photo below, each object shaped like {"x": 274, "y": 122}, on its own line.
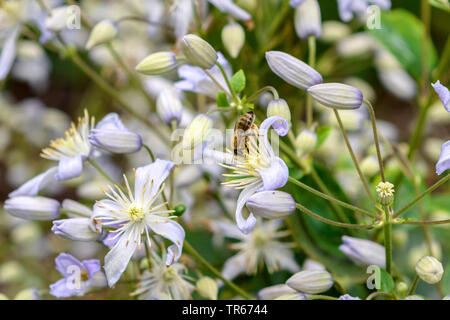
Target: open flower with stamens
{"x": 258, "y": 169}
{"x": 262, "y": 246}
{"x": 130, "y": 216}
{"x": 72, "y": 150}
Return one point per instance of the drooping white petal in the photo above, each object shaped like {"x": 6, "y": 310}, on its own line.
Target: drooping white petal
{"x": 32, "y": 186}
{"x": 275, "y": 176}
{"x": 8, "y": 53}
{"x": 234, "y": 266}
{"x": 118, "y": 257}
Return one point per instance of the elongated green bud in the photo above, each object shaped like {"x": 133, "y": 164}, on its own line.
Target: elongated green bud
{"x": 198, "y": 52}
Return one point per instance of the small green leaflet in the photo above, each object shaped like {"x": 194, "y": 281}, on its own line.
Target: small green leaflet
{"x": 441, "y": 4}
{"x": 221, "y": 100}
{"x": 238, "y": 81}
{"x": 387, "y": 283}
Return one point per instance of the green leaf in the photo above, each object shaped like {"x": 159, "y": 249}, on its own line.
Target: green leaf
{"x": 441, "y": 4}
{"x": 238, "y": 81}
{"x": 322, "y": 134}
{"x": 402, "y": 34}
{"x": 221, "y": 100}
{"x": 386, "y": 282}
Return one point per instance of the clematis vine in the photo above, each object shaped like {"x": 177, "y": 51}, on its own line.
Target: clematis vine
{"x": 129, "y": 217}
{"x": 259, "y": 169}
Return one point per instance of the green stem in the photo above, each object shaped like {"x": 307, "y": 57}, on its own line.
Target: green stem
{"x": 149, "y": 151}
{"x": 334, "y": 223}
{"x": 413, "y": 285}
{"x": 423, "y": 194}
{"x": 330, "y": 198}
{"x": 133, "y": 78}
{"x": 431, "y": 222}
{"x": 217, "y": 83}
{"x": 355, "y": 161}
{"x": 100, "y": 170}
{"x": 311, "y": 62}
{"x": 206, "y": 264}
{"x": 388, "y": 239}
{"x": 375, "y": 137}
{"x": 224, "y": 74}
{"x": 260, "y": 91}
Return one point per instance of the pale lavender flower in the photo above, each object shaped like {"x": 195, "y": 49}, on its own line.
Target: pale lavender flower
{"x": 195, "y": 79}
{"x": 169, "y": 106}
{"x": 228, "y": 6}
{"x": 443, "y": 93}
{"x": 180, "y": 16}
{"x": 347, "y": 8}
{"x": 33, "y": 208}
{"x": 71, "y": 151}
{"x": 307, "y": 19}
{"x": 348, "y": 297}
{"x": 363, "y": 252}
{"x": 258, "y": 170}
{"x": 79, "y": 277}
{"x": 292, "y": 70}
{"x": 111, "y": 135}
{"x": 260, "y": 246}
{"x": 134, "y": 215}
{"x": 443, "y": 163}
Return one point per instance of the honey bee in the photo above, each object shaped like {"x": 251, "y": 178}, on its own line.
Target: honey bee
{"x": 243, "y": 129}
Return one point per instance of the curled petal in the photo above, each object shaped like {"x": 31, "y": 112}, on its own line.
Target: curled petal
{"x": 275, "y": 176}
{"x": 76, "y": 229}
{"x": 245, "y": 225}
{"x": 64, "y": 262}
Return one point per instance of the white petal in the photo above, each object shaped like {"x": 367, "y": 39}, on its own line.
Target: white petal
{"x": 32, "y": 186}
{"x": 151, "y": 176}
{"x": 245, "y": 225}
{"x": 8, "y": 53}
{"x": 118, "y": 257}
{"x": 171, "y": 230}
{"x": 69, "y": 168}
{"x": 234, "y": 266}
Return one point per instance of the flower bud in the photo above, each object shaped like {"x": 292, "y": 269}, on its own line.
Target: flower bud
{"x": 197, "y": 131}
{"x": 348, "y": 297}
{"x": 385, "y": 192}
{"x": 311, "y": 281}
{"x": 271, "y": 204}
{"x": 369, "y": 166}
{"x": 402, "y": 288}
{"x": 363, "y": 252}
{"x": 443, "y": 163}
{"x": 413, "y": 297}
{"x": 337, "y": 95}
{"x": 76, "y": 229}
{"x": 32, "y": 208}
{"x": 292, "y": 70}
{"x": 28, "y": 294}
{"x": 429, "y": 269}
{"x": 158, "y": 63}
{"x": 169, "y": 107}
{"x": 207, "y": 288}
{"x": 307, "y": 19}
{"x": 292, "y": 296}
{"x": 198, "y": 52}
{"x": 273, "y": 292}
{"x": 333, "y": 31}
{"x": 103, "y": 32}
{"x": 279, "y": 108}
{"x": 111, "y": 135}
{"x": 58, "y": 18}
{"x": 305, "y": 142}
{"x": 233, "y": 38}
